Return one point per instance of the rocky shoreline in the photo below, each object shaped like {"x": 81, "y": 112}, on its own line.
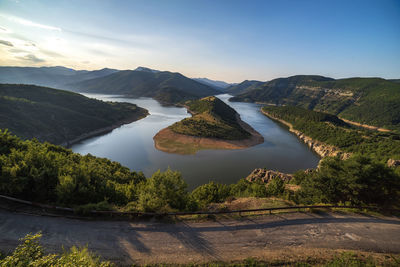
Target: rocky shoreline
{"x": 322, "y": 149}
{"x": 168, "y": 141}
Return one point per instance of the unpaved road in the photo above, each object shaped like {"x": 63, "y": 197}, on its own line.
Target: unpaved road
{"x": 149, "y": 242}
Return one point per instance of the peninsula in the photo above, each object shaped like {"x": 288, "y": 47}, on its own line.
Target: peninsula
{"x": 213, "y": 125}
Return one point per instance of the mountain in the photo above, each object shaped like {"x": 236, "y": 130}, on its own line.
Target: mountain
{"x": 372, "y": 101}
{"x": 146, "y": 69}
{"x": 242, "y": 87}
{"x": 164, "y": 86}
{"x": 59, "y": 116}
{"x": 219, "y": 85}
{"x": 57, "y": 77}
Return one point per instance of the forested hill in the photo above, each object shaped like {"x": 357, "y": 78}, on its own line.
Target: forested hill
{"x": 58, "y": 116}
{"x": 372, "y": 101}
{"x": 331, "y": 130}
{"x": 211, "y": 118}
{"x": 164, "y": 86}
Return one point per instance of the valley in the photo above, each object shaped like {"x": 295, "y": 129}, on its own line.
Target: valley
{"x": 199, "y": 133}
{"x": 133, "y": 146}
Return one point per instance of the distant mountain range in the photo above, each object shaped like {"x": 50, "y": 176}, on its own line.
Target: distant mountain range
{"x": 57, "y": 77}
{"x": 372, "y": 101}
{"x": 242, "y": 87}
{"x": 164, "y": 86}
{"x": 219, "y": 85}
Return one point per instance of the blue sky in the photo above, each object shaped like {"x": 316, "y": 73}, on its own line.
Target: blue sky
{"x": 225, "y": 40}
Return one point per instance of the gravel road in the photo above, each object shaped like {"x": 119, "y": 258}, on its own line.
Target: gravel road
{"x": 151, "y": 242}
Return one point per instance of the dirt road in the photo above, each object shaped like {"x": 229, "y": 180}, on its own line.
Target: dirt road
{"x": 149, "y": 242}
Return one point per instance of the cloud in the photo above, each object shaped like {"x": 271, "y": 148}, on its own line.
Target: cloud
{"x": 17, "y": 50}
{"x": 31, "y": 58}
{"x": 30, "y": 23}
{"x": 30, "y": 44}
{"x": 7, "y": 43}
{"x": 50, "y": 53}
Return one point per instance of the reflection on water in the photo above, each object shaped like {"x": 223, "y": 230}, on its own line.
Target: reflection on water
{"x": 132, "y": 145}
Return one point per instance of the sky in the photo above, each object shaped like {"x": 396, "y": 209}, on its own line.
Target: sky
{"x": 227, "y": 40}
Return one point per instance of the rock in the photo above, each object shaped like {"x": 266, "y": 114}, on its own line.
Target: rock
{"x": 393, "y": 163}
{"x": 267, "y": 175}
{"x": 322, "y": 149}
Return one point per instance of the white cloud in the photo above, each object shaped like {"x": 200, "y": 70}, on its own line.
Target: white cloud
{"x": 30, "y": 23}
{"x": 32, "y": 58}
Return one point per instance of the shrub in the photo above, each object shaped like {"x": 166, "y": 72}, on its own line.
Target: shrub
{"x": 163, "y": 191}
{"x": 31, "y": 253}
{"x": 210, "y": 193}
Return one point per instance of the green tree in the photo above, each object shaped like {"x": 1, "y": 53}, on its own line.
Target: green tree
{"x": 163, "y": 191}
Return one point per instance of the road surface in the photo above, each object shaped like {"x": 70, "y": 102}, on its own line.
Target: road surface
{"x": 185, "y": 242}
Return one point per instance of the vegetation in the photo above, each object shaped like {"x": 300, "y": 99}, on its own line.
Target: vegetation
{"x": 31, "y": 253}
{"x": 52, "y": 174}
{"x": 333, "y": 131}
{"x": 166, "y": 87}
{"x": 358, "y": 180}
{"x": 211, "y": 118}
{"x": 372, "y": 101}
{"x": 58, "y": 116}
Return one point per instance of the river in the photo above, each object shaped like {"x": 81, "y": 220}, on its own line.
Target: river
{"x": 132, "y": 145}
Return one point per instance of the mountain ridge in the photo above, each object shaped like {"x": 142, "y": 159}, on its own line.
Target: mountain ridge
{"x": 164, "y": 86}
{"x": 372, "y": 101}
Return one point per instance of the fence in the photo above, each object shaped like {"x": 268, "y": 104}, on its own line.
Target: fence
{"x": 240, "y": 212}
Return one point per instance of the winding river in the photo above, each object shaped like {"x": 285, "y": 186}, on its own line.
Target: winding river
{"x": 132, "y": 145}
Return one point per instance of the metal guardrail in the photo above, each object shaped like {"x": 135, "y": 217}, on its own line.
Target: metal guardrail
{"x": 137, "y": 214}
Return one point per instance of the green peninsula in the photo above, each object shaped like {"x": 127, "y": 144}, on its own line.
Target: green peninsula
{"x": 213, "y": 125}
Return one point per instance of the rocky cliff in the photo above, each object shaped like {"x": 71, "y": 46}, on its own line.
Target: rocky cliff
{"x": 322, "y": 149}
{"x": 266, "y": 176}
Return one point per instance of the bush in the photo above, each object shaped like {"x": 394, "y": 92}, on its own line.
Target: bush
{"x": 210, "y": 193}
{"x": 276, "y": 187}
{"x": 244, "y": 188}
{"x": 31, "y": 253}
{"x": 358, "y": 180}
{"x": 163, "y": 191}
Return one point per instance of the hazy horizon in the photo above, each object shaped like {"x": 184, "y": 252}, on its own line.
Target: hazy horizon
{"x": 228, "y": 41}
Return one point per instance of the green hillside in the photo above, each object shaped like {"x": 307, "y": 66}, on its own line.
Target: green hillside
{"x": 372, "y": 101}
{"x": 211, "y": 118}
{"x": 330, "y": 129}
{"x": 58, "y": 116}
{"x": 166, "y": 87}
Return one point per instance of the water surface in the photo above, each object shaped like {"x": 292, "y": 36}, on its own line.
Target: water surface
{"x": 132, "y": 145}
